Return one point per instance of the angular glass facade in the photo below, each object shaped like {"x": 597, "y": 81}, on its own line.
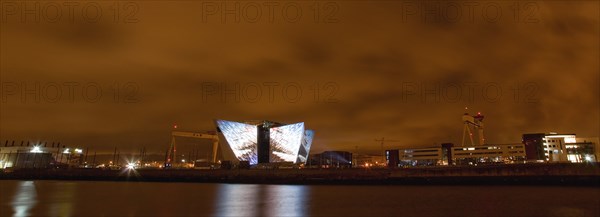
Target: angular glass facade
{"x": 285, "y": 142}
{"x": 267, "y": 142}
{"x": 241, "y": 138}
{"x": 305, "y": 146}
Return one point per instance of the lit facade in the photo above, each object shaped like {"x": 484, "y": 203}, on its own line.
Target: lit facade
{"x": 265, "y": 141}
{"x": 497, "y": 153}
{"x": 553, "y": 147}
{"x": 37, "y": 155}
{"x": 420, "y": 156}
{"x": 582, "y": 150}
{"x": 450, "y": 155}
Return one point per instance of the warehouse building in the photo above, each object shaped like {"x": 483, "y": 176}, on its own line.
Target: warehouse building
{"x": 38, "y": 155}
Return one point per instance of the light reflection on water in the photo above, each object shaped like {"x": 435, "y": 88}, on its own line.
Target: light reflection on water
{"x": 261, "y": 200}
{"x": 24, "y": 199}
{"x": 64, "y": 198}
{"x": 61, "y": 202}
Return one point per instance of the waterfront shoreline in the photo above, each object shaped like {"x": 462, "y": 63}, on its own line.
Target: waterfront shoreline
{"x": 524, "y": 174}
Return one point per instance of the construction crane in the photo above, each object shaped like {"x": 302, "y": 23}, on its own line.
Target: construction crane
{"x": 382, "y": 140}
{"x": 475, "y": 121}
{"x": 171, "y": 153}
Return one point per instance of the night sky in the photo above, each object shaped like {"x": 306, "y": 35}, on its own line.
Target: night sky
{"x": 400, "y": 70}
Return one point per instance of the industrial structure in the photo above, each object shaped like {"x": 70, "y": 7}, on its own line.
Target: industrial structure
{"x": 171, "y": 156}
{"x": 475, "y": 122}
{"x": 38, "y": 155}
{"x": 258, "y": 142}
{"x": 535, "y": 147}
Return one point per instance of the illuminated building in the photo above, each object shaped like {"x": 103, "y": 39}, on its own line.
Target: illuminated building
{"x": 534, "y": 146}
{"x": 37, "y": 155}
{"x": 497, "y": 153}
{"x": 420, "y": 156}
{"x": 554, "y": 147}
{"x": 391, "y": 158}
{"x": 265, "y": 141}
{"x": 450, "y": 155}
{"x": 583, "y": 150}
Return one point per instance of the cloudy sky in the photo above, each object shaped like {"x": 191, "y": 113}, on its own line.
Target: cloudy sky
{"x": 106, "y": 74}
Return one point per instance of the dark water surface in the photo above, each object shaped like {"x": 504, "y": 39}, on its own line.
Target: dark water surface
{"x": 81, "y": 198}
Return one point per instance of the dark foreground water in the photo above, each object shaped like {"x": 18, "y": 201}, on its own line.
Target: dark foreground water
{"x": 80, "y": 198}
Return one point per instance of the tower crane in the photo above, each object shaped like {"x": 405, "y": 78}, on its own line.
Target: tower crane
{"x": 171, "y": 153}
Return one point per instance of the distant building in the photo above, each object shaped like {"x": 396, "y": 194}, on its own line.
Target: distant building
{"x": 534, "y": 146}
{"x": 392, "y": 158}
{"x": 490, "y": 153}
{"x": 37, "y": 155}
{"x": 554, "y": 147}
{"x": 448, "y": 154}
{"x": 420, "y": 156}
{"x": 331, "y": 159}
{"x": 582, "y": 150}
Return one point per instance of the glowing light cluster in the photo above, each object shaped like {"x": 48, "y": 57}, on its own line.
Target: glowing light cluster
{"x": 36, "y": 149}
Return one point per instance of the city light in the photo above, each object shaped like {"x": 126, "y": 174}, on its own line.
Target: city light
{"x": 130, "y": 166}
{"x": 79, "y": 151}
{"x": 36, "y": 149}
{"x": 66, "y": 151}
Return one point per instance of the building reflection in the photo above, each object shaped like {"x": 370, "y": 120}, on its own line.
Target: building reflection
{"x": 261, "y": 200}
{"x": 287, "y": 200}
{"x": 24, "y": 199}
{"x": 62, "y": 199}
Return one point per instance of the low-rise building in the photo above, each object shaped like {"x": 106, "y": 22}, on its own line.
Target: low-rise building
{"x": 554, "y": 147}
{"x": 448, "y": 154}
{"x": 582, "y": 150}
{"x": 420, "y": 156}
{"x": 496, "y": 153}
{"x": 37, "y": 155}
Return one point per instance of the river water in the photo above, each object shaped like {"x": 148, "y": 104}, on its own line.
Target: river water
{"x": 86, "y": 198}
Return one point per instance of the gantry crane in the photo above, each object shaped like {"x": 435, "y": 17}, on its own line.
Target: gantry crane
{"x": 171, "y": 153}
{"x": 475, "y": 121}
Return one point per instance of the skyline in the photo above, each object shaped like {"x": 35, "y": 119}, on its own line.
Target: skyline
{"x": 373, "y": 71}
